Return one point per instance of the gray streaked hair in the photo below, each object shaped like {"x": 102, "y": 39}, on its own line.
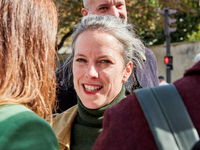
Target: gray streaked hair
{"x": 132, "y": 47}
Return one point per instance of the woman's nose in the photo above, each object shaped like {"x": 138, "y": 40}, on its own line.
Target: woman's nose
{"x": 91, "y": 72}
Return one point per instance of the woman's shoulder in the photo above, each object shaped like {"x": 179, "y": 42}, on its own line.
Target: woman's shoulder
{"x": 13, "y": 108}
{"x": 21, "y": 124}
{"x": 64, "y": 115}
{"x": 62, "y": 124}
{"x": 16, "y": 112}
{"x": 15, "y": 116}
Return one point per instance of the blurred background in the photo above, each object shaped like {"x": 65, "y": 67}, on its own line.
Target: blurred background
{"x": 143, "y": 14}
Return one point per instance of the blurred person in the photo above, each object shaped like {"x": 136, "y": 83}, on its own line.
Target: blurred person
{"x": 27, "y": 80}
{"x": 197, "y": 58}
{"x": 104, "y": 53}
{"x": 162, "y": 81}
{"x": 145, "y": 77}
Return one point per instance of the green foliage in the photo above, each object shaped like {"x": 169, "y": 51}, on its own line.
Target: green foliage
{"x": 194, "y": 36}
{"x": 143, "y": 15}
{"x": 151, "y": 27}
{"x": 69, "y": 11}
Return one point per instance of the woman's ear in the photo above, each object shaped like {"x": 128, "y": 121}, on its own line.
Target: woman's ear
{"x": 84, "y": 11}
{"x": 128, "y": 71}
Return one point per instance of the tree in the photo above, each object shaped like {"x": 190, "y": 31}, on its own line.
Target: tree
{"x": 69, "y": 12}
{"x": 143, "y": 15}
{"x": 150, "y": 24}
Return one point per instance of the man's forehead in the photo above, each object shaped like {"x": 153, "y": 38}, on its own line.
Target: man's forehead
{"x": 104, "y": 2}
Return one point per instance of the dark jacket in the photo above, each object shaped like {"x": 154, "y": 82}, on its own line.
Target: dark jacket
{"x": 125, "y": 126}
{"x": 147, "y": 77}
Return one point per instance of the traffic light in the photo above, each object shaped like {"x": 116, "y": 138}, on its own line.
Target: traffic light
{"x": 169, "y": 61}
{"x": 168, "y": 21}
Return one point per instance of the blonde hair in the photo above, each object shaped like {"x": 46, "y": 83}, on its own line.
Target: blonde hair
{"x": 28, "y": 31}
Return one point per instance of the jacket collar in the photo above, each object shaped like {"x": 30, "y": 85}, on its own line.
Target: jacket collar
{"x": 62, "y": 125}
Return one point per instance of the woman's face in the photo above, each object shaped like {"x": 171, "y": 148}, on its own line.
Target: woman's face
{"x": 98, "y": 68}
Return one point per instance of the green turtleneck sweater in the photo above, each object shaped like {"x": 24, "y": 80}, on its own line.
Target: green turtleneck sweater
{"x": 88, "y": 124}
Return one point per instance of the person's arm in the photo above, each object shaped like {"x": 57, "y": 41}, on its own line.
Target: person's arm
{"x": 27, "y": 131}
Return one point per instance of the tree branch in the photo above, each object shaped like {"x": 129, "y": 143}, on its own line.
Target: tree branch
{"x": 64, "y": 38}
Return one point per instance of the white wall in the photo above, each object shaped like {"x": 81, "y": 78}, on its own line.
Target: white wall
{"x": 183, "y": 57}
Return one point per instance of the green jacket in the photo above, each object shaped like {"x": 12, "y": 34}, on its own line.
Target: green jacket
{"x": 22, "y": 129}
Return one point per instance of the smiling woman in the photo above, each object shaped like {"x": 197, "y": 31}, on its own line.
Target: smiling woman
{"x": 99, "y": 76}
{"x": 104, "y": 53}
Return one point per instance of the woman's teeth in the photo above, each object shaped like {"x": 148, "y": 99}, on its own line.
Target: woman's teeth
{"x": 92, "y": 88}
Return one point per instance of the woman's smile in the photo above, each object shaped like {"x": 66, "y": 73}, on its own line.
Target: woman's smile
{"x": 90, "y": 88}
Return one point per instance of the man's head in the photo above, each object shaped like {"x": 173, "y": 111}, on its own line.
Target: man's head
{"x": 161, "y": 78}
{"x": 115, "y": 8}
{"x": 197, "y": 58}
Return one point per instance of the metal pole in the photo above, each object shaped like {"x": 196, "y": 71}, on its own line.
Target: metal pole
{"x": 167, "y": 34}
{"x": 168, "y": 69}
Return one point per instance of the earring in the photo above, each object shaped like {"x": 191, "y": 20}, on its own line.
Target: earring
{"x": 123, "y": 81}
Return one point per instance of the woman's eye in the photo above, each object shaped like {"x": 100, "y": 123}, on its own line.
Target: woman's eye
{"x": 80, "y": 60}
{"x": 105, "y": 61}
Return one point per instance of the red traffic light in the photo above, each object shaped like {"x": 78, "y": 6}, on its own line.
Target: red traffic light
{"x": 169, "y": 61}
{"x": 166, "y": 60}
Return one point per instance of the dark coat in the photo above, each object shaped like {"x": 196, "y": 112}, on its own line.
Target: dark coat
{"x": 125, "y": 126}
{"x": 147, "y": 77}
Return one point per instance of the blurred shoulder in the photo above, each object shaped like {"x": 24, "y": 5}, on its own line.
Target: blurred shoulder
{"x": 18, "y": 111}
{"x": 20, "y": 115}
{"x": 149, "y": 52}
{"x": 21, "y": 124}
{"x": 150, "y": 56}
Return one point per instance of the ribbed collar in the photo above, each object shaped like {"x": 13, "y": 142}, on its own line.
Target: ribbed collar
{"x": 94, "y": 117}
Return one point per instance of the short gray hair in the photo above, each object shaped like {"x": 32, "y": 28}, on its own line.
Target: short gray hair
{"x": 86, "y": 5}
{"x": 132, "y": 47}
